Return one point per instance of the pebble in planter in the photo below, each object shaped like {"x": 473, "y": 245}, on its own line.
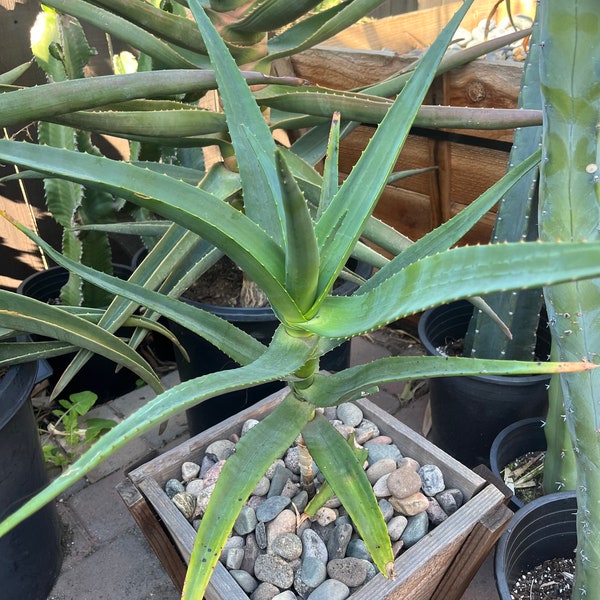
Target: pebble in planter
{"x": 277, "y": 550}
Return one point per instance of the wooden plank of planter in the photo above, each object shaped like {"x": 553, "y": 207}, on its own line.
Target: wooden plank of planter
{"x": 465, "y": 565}
{"x": 420, "y": 569}
{"x": 154, "y": 533}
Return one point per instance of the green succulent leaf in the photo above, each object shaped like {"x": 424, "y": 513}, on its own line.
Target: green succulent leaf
{"x": 285, "y": 355}
{"x": 252, "y": 140}
{"x": 255, "y": 452}
{"x": 452, "y": 275}
{"x": 28, "y": 315}
{"x": 351, "y": 383}
{"x": 203, "y": 213}
{"x": 126, "y": 31}
{"x": 302, "y": 252}
{"x": 317, "y": 28}
{"x": 341, "y": 224}
{"x": 346, "y": 475}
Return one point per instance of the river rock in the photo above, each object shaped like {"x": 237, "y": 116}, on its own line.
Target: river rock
{"x": 435, "y": 512}
{"x": 292, "y": 459}
{"x": 246, "y": 521}
{"x": 271, "y": 507}
{"x": 174, "y": 486}
{"x": 330, "y": 589}
{"x": 285, "y": 595}
{"x": 265, "y": 591}
{"x": 411, "y": 505}
{"x": 262, "y": 487}
{"x": 195, "y": 486}
{"x": 349, "y": 414}
{"x": 287, "y": 545}
{"x": 396, "y": 527}
{"x": 339, "y": 540}
{"x": 365, "y": 432}
{"x": 300, "y": 500}
{"x": 189, "y": 471}
{"x": 313, "y": 572}
{"x": 377, "y": 451}
{"x": 387, "y": 510}
{"x": 416, "y": 528}
{"x": 403, "y": 482}
{"x": 358, "y": 549}
{"x": 284, "y": 522}
{"x": 235, "y": 556}
{"x": 251, "y": 551}
{"x": 273, "y": 569}
{"x": 450, "y": 500}
{"x": 248, "y": 425}
{"x": 244, "y": 580}
{"x": 221, "y": 449}
{"x": 382, "y": 467}
{"x": 432, "y": 480}
{"x": 381, "y": 488}
{"x": 279, "y": 479}
{"x": 313, "y": 546}
{"x": 350, "y": 571}
{"x": 186, "y": 503}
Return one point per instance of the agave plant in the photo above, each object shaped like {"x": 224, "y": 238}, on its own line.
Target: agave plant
{"x": 293, "y": 238}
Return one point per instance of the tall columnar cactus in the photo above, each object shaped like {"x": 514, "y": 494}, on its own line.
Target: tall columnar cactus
{"x": 569, "y": 211}
{"x": 516, "y": 221}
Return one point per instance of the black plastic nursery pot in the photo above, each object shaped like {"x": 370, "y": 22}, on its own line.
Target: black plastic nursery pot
{"x": 30, "y": 554}
{"x": 542, "y": 530}
{"x": 98, "y": 374}
{"x": 526, "y": 435}
{"x": 467, "y": 412}
{"x": 205, "y": 358}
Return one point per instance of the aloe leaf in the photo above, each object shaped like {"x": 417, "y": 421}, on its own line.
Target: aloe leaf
{"x": 285, "y": 355}
{"x": 255, "y": 452}
{"x": 14, "y": 353}
{"x": 302, "y": 252}
{"x": 325, "y": 491}
{"x": 451, "y": 275}
{"x": 270, "y": 15}
{"x": 307, "y": 106}
{"x": 447, "y": 234}
{"x": 317, "y": 28}
{"x": 44, "y": 102}
{"x": 252, "y": 140}
{"x": 330, "y": 167}
{"x": 11, "y": 76}
{"x": 239, "y": 345}
{"x": 346, "y": 385}
{"x": 124, "y": 30}
{"x": 145, "y": 118}
{"x": 346, "y": 475}
{"x": 204, "y": 214}
{"x": 168, "y": 26}
{"x": 29, "y": 315}
{"x": 341, "y": 224}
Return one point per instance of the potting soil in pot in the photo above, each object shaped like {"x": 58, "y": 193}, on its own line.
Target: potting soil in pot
{"x": 276, "y": 551}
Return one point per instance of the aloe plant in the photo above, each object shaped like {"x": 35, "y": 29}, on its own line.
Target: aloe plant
{"x": 293, "y": 238}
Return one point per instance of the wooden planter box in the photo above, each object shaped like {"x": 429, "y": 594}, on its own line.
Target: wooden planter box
{"x": 468, "y": 162}
{"x": 440, "y": 566}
